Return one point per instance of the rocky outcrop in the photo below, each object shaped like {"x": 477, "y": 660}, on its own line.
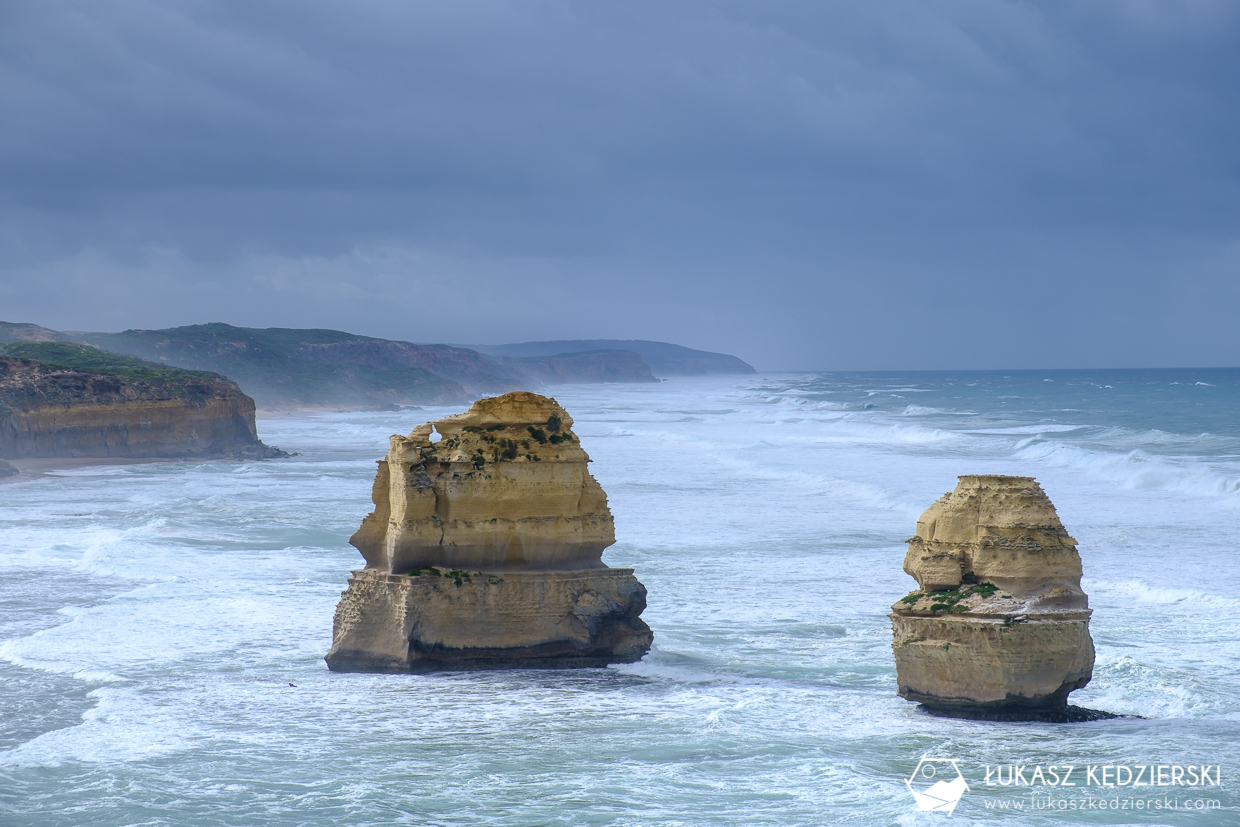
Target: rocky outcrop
{"x": 124, "y": 410}
{"x": 485, "y": 551}
{"x": 7, "y": 470}
{"x": 999, "y": 627}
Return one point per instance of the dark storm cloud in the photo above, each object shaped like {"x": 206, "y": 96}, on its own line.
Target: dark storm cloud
{"x": 808, "y": 184}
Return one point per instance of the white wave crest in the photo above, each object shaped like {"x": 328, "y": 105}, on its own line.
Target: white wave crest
{"x": 1128, "y": 685}
{"x": 1135, "y": 469}
{"x": 1144, "y": 593}
{"x": 121, "y": 727}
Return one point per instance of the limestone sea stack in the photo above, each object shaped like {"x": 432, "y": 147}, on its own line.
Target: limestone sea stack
{"x": 999, "y": 627}
{"x": 484, "y": 551}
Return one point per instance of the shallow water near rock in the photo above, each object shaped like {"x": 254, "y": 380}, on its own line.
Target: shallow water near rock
{"x": 162, "y": 627}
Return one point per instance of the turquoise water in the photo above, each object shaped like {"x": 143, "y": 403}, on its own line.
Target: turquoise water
{"x": 153, "y": 617}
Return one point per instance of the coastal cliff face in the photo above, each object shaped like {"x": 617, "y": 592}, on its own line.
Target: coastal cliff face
{"x": 999, "y": 627}
{"x": 52, "y": 410}
{"x": 484, "y": 550}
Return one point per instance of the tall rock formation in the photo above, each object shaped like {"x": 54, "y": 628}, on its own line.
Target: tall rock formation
{"x": 485, "y": 551}
{"x": 999, "y": 628}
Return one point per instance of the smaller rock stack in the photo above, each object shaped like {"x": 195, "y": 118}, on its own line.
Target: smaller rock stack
{"x": 999, "y": 628}
{"x": 484, "y": 551}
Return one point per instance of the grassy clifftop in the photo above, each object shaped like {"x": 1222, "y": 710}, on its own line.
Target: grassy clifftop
{"x": 280, "y": 366}
{"x": 90, "y": 359}
{"x": 63, "y": 373}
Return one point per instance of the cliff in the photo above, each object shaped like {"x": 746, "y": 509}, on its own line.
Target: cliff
{"x": 999, "y": 627}
{"x": 485, "y": 551}
{"x": 67, "y": 400}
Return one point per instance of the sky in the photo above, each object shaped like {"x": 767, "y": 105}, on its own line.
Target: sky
{"x": 809, "y": 185}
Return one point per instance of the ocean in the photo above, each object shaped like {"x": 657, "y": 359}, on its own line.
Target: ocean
{"x": 163, "y": 626}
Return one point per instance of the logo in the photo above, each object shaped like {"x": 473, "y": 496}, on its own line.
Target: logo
{"x": 937, "y": 784}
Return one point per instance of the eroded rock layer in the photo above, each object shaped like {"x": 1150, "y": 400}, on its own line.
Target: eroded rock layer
{"x": 485, "y": 550}
{"x": 999, "y": 627}
{"x": 442, "y": 619}
{"x": 49, "y": 410}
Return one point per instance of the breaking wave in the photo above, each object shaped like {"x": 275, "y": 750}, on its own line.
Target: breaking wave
{"x": 1136, "y": 469}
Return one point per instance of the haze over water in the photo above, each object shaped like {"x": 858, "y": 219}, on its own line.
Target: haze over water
{"x": 153, "y": 617}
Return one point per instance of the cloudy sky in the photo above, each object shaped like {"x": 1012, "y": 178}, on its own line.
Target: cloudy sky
{"x": 885, "y": 184}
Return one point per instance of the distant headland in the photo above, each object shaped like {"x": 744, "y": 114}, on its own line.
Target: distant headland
{"x": 287, "y": 368}
{"x": 73, "y": 401}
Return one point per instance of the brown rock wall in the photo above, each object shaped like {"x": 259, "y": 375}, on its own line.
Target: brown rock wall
{"x": 49, "y": 411}
{"x": 424, "y": 622}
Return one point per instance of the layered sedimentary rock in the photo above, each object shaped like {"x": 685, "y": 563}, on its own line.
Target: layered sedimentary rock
{"x": 485, "y": 551}
{"x": 55, "y": 410}
{"x": 999, "y": 627}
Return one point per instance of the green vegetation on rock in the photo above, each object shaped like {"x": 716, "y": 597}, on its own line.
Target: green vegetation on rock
{"x": 457, "y": 576}
{"x": 948, "y": 600}
{"x": 93, "y": 360}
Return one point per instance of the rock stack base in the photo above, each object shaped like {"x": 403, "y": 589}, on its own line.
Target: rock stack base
{"x": 471, "y": 620}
